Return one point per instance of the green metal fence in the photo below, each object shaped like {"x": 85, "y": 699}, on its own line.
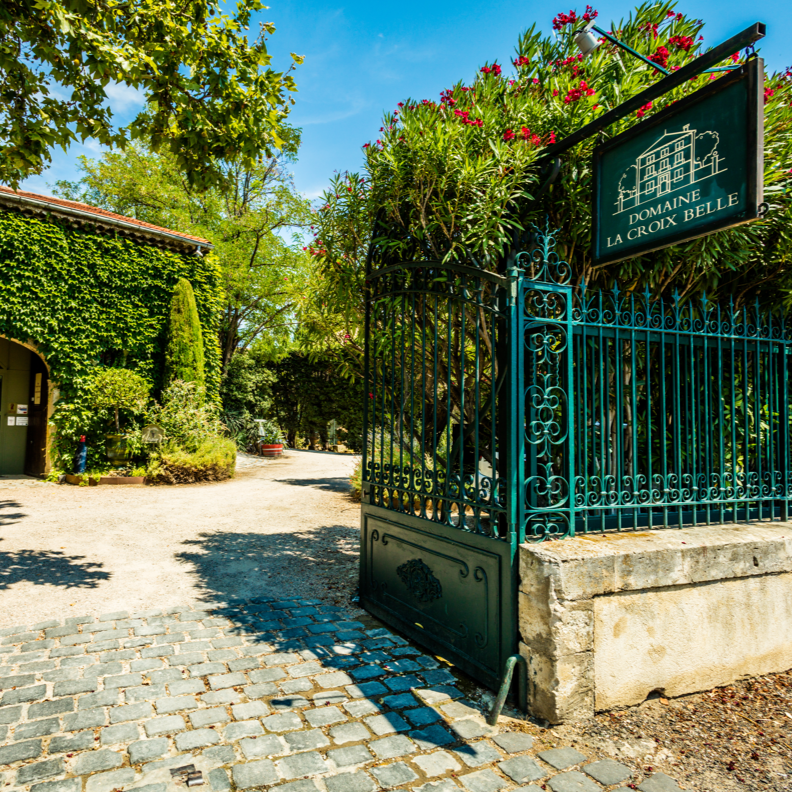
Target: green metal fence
{"x": 645, "y": 413}
{"x": 520, "y": 406}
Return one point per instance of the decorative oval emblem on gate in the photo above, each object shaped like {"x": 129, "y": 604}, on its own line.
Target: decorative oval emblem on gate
{"x": 420, "y": 581}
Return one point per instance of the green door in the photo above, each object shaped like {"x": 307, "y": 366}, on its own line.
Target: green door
{"x": 14, "y": 406}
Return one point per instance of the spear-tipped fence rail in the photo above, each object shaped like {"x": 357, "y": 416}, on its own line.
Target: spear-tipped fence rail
{"x": 520, "y": 407}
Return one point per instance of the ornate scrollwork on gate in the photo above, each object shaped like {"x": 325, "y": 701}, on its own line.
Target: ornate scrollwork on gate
{"x": 546, "y": 305}
{"x": 420, "y": 580}
{"x": 541, "y": 263}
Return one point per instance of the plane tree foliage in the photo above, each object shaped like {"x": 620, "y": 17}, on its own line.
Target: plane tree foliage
{"x": 249, "y": 217}
{"x": 211, "y": 95}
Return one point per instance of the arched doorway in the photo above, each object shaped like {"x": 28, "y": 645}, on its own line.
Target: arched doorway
{"x": 24, "y": 392}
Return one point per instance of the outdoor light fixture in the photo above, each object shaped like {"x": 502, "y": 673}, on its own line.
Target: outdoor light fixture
{"x": 586, "y": 41}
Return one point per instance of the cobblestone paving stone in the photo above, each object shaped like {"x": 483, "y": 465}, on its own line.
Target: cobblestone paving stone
{"x": 265, "y": 694}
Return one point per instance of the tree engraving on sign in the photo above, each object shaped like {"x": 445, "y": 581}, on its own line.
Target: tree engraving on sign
{"x": 419, "y": 580}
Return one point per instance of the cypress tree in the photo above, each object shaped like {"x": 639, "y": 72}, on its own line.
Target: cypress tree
{"x": 184, "y": 350}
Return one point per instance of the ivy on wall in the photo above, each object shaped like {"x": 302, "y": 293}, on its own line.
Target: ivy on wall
{"x": 86, "y": 298}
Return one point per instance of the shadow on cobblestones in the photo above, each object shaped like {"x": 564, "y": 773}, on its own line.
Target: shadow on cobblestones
{"x": 49, "y": 568}
{"x": 9, "y": 518}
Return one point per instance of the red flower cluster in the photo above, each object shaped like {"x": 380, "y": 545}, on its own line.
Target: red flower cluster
{"x": 660, "y": 57}
{"x": 447, "y": 97}
{"x": 570, "y": 59}
{"x": 768, "y": 94}
{"x": 590, "y": 14}
{"x": 464, "y": 115}
{"x": 494, "y": 69}
{"x": 642, "y": 111}
{"x": 650, "y": 27}
{"x": 562, "y": 20}
{"x": 681, "y": 42}
{"x": 527, "y": 136}
{"x": 578, "y": 93}
{"x": 522, "y": 61}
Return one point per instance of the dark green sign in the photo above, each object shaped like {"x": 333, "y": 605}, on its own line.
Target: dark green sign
{"x": 692, "y": 169}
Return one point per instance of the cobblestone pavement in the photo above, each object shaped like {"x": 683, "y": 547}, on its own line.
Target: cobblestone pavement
{"x": 266, "y": 694}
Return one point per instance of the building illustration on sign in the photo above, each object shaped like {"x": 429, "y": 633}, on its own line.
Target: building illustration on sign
{"x": 675, "y": 160}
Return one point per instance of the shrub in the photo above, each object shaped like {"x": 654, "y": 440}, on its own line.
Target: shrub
{"x": 213, "y": 459}
{"x": 184, "y": 417}
{"x": 184, "y": 349}
{"x": 119, "y": 389}
{"x": 194, "y": 448}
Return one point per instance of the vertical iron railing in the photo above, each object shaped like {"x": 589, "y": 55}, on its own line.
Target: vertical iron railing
{"x": 517, "y": 405}
{"x": 644, "y": 412}
{"x": 435, "y": 388}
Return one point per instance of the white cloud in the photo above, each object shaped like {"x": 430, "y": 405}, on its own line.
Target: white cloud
{"x": 123, "y": 98}
{"x": 353, "y": 107}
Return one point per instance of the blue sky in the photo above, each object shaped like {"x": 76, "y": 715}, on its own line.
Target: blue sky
{"x": 363, "y": 58}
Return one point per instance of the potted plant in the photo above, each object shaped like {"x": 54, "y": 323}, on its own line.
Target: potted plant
{"x": 119, "y": 389}
{"x": 270, "y": 438}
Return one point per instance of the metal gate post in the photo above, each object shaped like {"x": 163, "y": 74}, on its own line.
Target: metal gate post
{"x": 546, "y": 305}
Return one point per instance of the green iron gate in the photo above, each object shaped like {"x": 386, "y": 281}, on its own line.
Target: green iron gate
{"x": 506, "y": 408}
{"x": 439, "y": 524}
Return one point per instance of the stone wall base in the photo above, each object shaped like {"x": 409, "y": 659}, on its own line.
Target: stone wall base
{"x": 607, "y": 620}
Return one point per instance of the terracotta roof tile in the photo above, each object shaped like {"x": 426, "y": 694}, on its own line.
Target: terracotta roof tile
{"x": 94, "y": 211}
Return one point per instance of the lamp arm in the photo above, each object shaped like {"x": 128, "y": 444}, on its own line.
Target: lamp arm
{"x": 629, "y": 49}
{"x": 646, "y": 60}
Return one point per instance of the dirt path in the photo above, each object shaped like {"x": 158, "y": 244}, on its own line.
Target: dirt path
{"x": 280, "y": 525}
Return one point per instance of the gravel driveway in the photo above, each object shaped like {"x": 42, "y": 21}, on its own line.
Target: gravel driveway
{"x": 280, "y": 525}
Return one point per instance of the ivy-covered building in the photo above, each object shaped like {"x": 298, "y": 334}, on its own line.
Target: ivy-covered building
{"x": 81, "y": 287}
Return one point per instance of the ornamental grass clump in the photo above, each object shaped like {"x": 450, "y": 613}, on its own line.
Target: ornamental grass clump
{"x": 195, "y": 447}
{"x": 213, "y": 459}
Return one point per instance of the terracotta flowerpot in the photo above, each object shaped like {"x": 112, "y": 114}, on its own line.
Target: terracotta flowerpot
{"x": 271, "y": 449}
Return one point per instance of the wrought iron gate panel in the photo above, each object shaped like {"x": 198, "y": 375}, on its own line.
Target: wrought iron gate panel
{"x": 439, "y": 524}
{"x": 452, "y": 594}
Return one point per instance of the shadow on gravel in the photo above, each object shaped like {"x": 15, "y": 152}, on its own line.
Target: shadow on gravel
{"x": 49, "y": 568}
{"x": 339, "y": 484}
{"x": 231, "y": 566}
{"x": 9, "y": 518}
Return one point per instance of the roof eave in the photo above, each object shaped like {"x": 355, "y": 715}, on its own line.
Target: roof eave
{"x": 42, "y": 205}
